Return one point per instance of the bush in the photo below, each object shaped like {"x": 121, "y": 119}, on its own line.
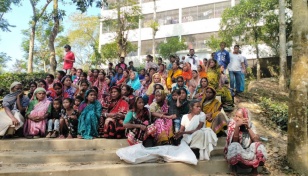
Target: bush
{"x": 7, "y": 79}
{"x": 277, "y": 112}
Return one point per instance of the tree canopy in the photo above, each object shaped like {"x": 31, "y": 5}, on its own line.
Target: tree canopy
{"x": 172, "y": 45}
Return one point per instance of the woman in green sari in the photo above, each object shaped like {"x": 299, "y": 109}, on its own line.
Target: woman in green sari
{"x": 88, "y": 120}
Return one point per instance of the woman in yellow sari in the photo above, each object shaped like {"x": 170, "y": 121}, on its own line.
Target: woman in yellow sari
{"x": 213, "y": 73}
{"x": 156, "y": 79}
{"x": 173, "y": 74}
{"x": 211, "y": 107}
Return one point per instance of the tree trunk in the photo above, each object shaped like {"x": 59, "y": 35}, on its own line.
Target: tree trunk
{"x": 258, "y": 63}
{"x": 154, "y": 30}
{"x": 31, "y": 47}
{"x": 52, "y": 37}
{"x": 282, "y": 43}
{"x": 297, "y": 150}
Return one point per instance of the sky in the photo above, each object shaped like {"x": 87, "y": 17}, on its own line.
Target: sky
{"x": 10, "y": 42}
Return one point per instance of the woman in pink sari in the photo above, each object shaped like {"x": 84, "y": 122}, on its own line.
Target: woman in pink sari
{"x": 36, "y": 115}
{"x": 243, "y": 147}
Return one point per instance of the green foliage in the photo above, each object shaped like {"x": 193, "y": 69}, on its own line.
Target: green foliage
{"x": 25, "y": 78}
{"x": 5, "y": 6}
{"x": 254, "y": 21}
{"x": 277, "y": 112}
{"x": 109, "y": 51}
{"x": 3, "y": 59}
{"x": 172, "y": 45}
{"x": 213, "y": 43}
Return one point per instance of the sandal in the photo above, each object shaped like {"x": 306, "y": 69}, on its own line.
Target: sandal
{"x": 54, "y": 134}
{"x": 61, "y": 136}
{"x": 48, "y": 135}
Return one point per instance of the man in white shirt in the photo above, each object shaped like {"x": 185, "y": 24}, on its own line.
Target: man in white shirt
{"x": 192, "y": 59}
{"x": 236, "y": 68}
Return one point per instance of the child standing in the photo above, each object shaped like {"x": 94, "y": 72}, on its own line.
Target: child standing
{"x": 173, "y": 109}
{"x": 53, "y": 119}
{"x": 69, "y": 120}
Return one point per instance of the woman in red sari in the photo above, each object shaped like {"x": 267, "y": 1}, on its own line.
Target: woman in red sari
{"x": 101, "y": 86}
{"x": 114, "y": 111}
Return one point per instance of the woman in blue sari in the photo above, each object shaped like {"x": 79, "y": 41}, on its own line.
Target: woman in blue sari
{"x": 134, "y": 81}
{"x": 90, "y": 111}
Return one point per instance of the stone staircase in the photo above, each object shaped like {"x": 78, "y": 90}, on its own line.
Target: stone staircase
{"x": 77, "y": 157}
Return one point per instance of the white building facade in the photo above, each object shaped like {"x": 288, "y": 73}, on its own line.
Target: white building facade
{"x": 192, "y": 20}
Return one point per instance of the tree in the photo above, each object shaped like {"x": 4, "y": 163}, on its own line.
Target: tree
{"x": 297, "y": 151}
{"x": 37, "y": 14}
{"x": 213, "y": 43}
{"x": 56, "y": 16}
{"x": 5, "y": 6}
{"x": 283, "y": 50}
{"x": 154, "y": 25}
{"x": 3, "y": 59}
{"x": 84, "y": 37}
{"x": 252, "y": 22}
{"x": 109, "y": 51}
{"x": 127, "y": 18}
{"x": 171, "y": 46}
{"x": 243, "y": 21}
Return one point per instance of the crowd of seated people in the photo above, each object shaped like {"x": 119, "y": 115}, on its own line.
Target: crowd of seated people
{"x": 150, "y": 107}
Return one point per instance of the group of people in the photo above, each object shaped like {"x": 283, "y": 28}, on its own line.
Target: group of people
{"x": 159, "y": 105}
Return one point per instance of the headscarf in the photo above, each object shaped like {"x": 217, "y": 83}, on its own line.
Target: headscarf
{"x": 118, "y": 89}
{"x": 202, "y": 73}
{"x": 151, "y": 86}
{"x": 37, "y": 90}
{"x": 15, "y": 83}
{"x": 10, "y": 99}
{"x": 135, "y": 83}
{"x": 162, "y": 93}
{"x": 187, "y": 75}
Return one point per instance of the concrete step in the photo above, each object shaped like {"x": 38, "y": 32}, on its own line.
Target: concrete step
{"x": 217, "y": 165}
{"x": 49, "y": 157}
{"x": 45, "y": 144}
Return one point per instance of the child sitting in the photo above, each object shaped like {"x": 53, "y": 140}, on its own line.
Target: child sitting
{"x": 69, "y": 120}
{"x": 77, "y": 102}
{"x": 53, "y": 119}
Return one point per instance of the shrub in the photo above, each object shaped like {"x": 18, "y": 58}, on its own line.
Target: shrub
{"x": 277, "y": 112}
{"x": 7, "y": 79}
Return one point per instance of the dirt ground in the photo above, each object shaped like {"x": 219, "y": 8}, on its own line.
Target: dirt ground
{"x": 276, "y": 144}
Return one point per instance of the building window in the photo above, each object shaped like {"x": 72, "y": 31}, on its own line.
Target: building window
{"x": 197, "y": 41}
{"x": 146, "y": 46}
{"x": 163, "y": 18}
{"x": 203, "y": 12}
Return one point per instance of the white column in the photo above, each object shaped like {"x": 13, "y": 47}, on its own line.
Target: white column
{"x": 100, "y": 34}
{"x": 232, "y": 3}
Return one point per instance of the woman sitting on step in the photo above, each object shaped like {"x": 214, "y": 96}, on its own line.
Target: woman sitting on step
{"x": 36, "y": 117}
{"x": 243, "y": 147}
{"x": 14, "y": 104}
{"x": 193, "y": 131}
{"x": 214, "y": 119}
{"x": 138, "y": 122}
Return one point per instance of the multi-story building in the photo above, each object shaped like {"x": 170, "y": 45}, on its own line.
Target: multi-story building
{"x": 193, "y": 20}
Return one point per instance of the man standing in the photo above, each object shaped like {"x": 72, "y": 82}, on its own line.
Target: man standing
{"x": 121, "y": 64}
{"x": 222, "y": 57}
{"x": 150, "y": 64}
{"x": 236, "y": 68}
{"x": 192, "y": 59}
{"x": 242, "y": 88}
{"x": 69, "y": 59}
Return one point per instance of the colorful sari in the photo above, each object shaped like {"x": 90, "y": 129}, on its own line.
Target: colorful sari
{"x": 251, "y": 154}
{"x": 202, "y": 73}
{"x": 150, "y": 90}
{"x": 213, "y": 77}
{"x": 69, "y": 92}
{"x": 110, "y": 127}
{"x": 136, "y": 135}
{"x": 213, "y": 106}
{"x": 135, "y": 84}
{"x": 89, "y": 119}
{"x": 172, "y": 75}
{"x": 37, "y": 109}
{"x": 164, "y": 128}
{"x": 187, "y": 75}
{"x": 103, "y": 89}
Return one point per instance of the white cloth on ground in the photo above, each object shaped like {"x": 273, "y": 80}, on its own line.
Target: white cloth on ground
{"x": 6, "y": 121}
{"x": 136, "y": 154}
